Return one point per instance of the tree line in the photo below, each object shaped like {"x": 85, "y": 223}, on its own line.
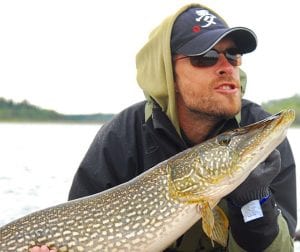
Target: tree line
{"x": 11, "y": 111}
{"x": 274, "y": 106}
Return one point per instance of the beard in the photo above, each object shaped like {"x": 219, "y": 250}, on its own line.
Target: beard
{"x": 215, "y": 112}
{"x": 211, "y": 105}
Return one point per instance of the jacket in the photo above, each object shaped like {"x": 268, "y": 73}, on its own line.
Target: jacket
{"x": 148, "y": 132}
{"x": 128, "y": 145}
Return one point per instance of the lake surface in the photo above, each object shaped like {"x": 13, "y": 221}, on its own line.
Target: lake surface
{"x": 38, "y": 162}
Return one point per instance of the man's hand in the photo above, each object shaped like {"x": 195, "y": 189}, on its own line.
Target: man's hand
{"x": 42, "y": 249}
{"x": 258, "y": 232}
{"x": 256, "y": 186}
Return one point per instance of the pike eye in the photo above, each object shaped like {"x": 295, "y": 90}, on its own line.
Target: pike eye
{"x": 224, "y": 140}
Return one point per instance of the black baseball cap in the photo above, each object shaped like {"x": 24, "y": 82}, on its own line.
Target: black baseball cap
{"x": 198, "y": 29}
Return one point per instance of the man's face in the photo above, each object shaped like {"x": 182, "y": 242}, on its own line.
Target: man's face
{"x": 213, "y": 91}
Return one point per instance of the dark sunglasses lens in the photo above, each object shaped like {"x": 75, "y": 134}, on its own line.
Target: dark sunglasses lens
{"x": 233, "y": 56}
{"x": 208, "y": 59}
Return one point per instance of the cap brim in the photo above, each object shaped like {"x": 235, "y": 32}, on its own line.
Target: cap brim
{"x": 244, "y": 38}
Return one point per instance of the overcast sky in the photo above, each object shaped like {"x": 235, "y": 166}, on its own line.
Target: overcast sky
{"x": 79, "y": 56}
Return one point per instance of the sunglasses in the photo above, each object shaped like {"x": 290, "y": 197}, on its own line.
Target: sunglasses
{"x": 210, "y": 58}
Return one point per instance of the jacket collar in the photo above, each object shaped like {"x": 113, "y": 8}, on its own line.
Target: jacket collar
{"x": 162, "y": 122}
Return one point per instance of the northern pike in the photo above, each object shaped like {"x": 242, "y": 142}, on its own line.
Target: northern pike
{"x": 152, "y": 210}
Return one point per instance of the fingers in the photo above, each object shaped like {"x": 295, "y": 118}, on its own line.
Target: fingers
{"x": 273, "y": 164}
{"x": 35, "y": 249}
{"x": 41, "y": 249}
{"x": 274, "y": 158}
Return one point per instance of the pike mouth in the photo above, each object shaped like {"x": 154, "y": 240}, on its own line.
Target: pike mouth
{"x": 272, "y": 131}
{"x": 282, "y": 119}
{"x": 286, "y": 116}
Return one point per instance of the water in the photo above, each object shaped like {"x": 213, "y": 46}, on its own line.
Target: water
{"x": 38, "y": 162}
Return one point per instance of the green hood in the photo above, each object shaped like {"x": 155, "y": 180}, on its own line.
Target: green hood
{"x": 154, "y": 69}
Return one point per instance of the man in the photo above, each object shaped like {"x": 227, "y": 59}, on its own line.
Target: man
{"x": 189, "y": 72}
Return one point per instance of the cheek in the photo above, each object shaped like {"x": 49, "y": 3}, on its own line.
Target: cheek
{"x": 186, "y": 86}
{"x": 188, "y": 80}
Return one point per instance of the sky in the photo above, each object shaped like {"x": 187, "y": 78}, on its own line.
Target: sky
{"x": 78, "y": 56}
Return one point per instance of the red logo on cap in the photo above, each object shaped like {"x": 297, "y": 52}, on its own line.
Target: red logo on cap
{"x": 196, "y": 28}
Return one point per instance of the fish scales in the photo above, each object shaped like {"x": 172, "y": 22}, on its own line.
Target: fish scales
{"x": 130, "y": 215}
{"x": 152, "y": 210}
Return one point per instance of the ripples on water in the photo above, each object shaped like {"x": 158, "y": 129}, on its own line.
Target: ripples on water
{"x": 37, "y": 164}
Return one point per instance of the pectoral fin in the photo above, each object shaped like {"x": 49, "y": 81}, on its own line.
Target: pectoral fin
{"x": 220, "y": 230}
{"x": 215, "y": 224}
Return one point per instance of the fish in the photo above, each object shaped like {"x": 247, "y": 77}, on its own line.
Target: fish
{"x": 149, "y": 212}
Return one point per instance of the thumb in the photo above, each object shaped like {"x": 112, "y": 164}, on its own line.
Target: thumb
{"x": 273, "y": 164}
{"x": 274, "y": 159}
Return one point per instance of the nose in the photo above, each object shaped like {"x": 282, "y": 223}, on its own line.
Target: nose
{"x": 223, "y": 66}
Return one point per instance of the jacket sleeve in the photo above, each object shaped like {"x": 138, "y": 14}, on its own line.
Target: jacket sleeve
{"x": 264, "y": 233}
{"x": 277, "y": 227}
{"x": 108, "y": 162}
{"x": 282, "y": 242}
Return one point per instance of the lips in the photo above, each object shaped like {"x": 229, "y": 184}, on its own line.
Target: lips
{"x": 227, "y": 88}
